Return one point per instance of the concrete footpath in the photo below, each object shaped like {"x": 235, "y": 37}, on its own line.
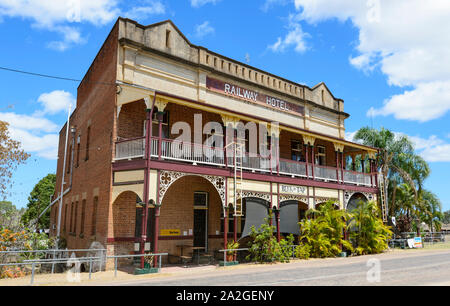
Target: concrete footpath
{"x": 310, "y": 272}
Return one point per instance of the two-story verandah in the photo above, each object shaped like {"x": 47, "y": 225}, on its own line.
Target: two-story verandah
{"x": 194, "y": 193}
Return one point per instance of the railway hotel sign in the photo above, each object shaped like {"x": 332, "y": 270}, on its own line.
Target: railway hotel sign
{"x": 253, "y": 96}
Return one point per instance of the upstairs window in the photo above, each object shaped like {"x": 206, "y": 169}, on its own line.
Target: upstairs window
{"x": 321, "y": 156}
{"x": 165, "y": 124}
{"x": 88, "y": 136}
{"x": 296, "y": 151}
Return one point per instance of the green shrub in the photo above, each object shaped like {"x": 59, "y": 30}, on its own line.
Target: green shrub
{"x": 264, "y": 247}
{"x": 302, "y": 251}
{"x": 323, "y": 233}
{"x": 367, "y": 230}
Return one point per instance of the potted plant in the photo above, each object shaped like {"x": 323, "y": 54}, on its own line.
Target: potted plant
{"x": 148, "y": 262}
{"x": 148, "y": 266}
{"x": 231, "y": 247}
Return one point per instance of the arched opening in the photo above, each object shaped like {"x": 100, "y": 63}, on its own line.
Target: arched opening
{"x": 291, "y": 213}
{"x": 189, "y": 219}
{"x": 255, "y": 211}
{"x": 354, "y": 200}
{"x": 127, "y": 221}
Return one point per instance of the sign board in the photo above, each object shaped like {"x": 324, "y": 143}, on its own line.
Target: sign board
{"x": 253, "y": 96}
{"x": 292, "y": 189}
{"x": 415, "y": 243}
{"x": 170, "y": 232}
{"x": 418, "y": 242}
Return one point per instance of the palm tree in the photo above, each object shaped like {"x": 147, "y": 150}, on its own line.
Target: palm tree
{"x": 396, "y": 160}
{"x": 431, "y": 210}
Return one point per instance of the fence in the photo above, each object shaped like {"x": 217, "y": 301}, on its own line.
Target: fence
{"x": 401, "y": 240}
{"x": 73, "y": 260}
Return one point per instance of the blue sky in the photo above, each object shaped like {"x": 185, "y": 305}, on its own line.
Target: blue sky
{"x": 390, "y": 72}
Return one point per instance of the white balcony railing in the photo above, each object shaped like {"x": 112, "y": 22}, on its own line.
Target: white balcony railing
{"x": 200, "y": 154}
{"x": 129, "y": 149}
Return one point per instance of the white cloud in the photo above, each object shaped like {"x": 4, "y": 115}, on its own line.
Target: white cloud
{"x": 60, "y": 16}
{"x": 295, "y": 37}
{"x": 36, "y": 133}
{"x": 203, "y": 29}
{"x": 150, "y": 7}
{"x": 45, "y": 146}
{"x": 198, "y": 3}
{"x": 25, "y": 122}
{"x": 71, "y": 36}
{"x": 426, "y": 102}
{"x": 432, "y": 149}
{"x": 406, "y": 40}
{"x": 56, "y": 101}
{"x": 270, "y": 3}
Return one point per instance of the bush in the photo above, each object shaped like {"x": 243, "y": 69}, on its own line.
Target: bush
{"x": 264, "y": 247}
{"x": 322, "y": 235}
{"x": 368, "y": 232}
{"x": 303, "y": 251}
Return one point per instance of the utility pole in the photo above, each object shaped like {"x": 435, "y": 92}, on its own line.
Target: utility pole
{"x": 62, "y": 180}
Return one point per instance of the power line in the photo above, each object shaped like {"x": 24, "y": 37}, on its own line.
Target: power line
{"x": 50, "y": 76}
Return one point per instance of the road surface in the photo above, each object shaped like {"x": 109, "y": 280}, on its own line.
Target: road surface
{"x": 411, "y": 267}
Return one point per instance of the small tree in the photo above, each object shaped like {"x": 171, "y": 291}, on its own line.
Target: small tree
{"x": 11, "y": 155}
{"x": 38, "y": 200}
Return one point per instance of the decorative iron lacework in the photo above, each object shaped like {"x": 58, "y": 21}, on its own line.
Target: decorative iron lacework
{"x": 167, "y": 178}
{"x": 290, "y": 197}
{"x": 255, "y": 194}
{"x": 322, "y": 200}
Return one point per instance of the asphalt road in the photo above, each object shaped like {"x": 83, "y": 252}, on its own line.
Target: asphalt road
{"x": 413, "y": 267}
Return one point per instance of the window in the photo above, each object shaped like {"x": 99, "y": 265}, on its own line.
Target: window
{"x": 296, "y": 151}
{"x": 69, "y": 153}
{"x": 217, "y": 137}
{"x": 71, "y": 218}
{"x": 83, "y": 216}
{"x": 165, "y": 124}
{"x": 320, "y": 156}
{"x": 65, "y": 216}
{"x": 88, "y": 136}
{"x": 94, "y": 216}
{"x": 76, "y": 218}
{"x": 78, "y": 150}
{"x": 167, "y": 38}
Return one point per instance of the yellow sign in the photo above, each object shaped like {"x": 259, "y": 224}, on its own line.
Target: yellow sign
{"x": 170, "y": 232}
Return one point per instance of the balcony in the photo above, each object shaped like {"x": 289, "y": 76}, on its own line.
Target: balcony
{"x": 172, "y": 150}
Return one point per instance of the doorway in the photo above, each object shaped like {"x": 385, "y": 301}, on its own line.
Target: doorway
{"x": 201, "y": 220}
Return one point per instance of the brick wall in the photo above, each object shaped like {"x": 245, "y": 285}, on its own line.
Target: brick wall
{"x": 95, "y": 109}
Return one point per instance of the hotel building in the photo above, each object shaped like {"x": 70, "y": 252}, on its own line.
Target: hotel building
{"x": 132, "y": 183}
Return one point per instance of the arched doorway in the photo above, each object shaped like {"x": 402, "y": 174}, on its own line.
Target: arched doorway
{"x": 190, "y": 216}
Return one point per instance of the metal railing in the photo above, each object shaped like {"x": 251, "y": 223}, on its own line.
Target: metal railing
{"x": 176, "y": 150}
{"x": 129, "y": 149}
{"x": 74, "y": 260}
{"x": 116, "y": 257}
{"x": 290, "y": 167}
{"x": 229, "y": 250}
